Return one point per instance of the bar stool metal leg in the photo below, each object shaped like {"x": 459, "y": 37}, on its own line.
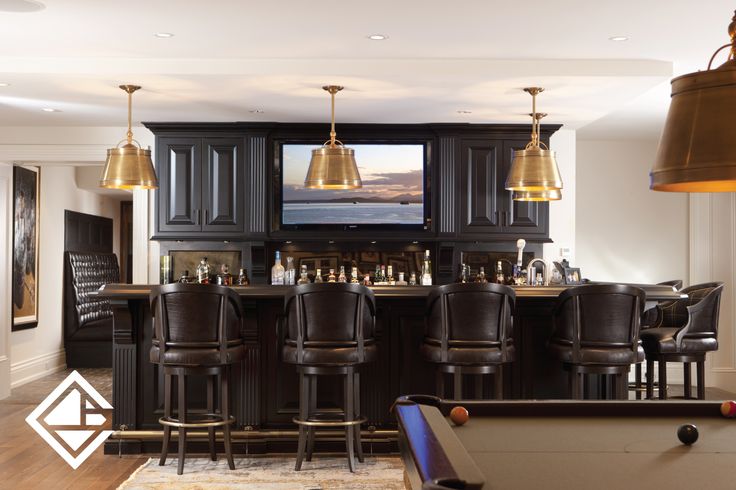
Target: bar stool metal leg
{"x": 225, "y": 389}
{"x": 457, "y": 382}
{"x": 650, "y": 379}
{"x": 497, "y": 383}
{"x": 182, "y": 408}
{"x": 687, "y": 380}
{"x": 637, "y": 382}
{"x": 349, "y": 414}
{"x": 701, "y": 378}
{"x": 662, "y": 379}
{"x": 211, "y": 409}
{"x": 358, "y": 442}
{"x": 304, "y": 415}
{"x": 167, "y": 413}
{"x": 311, "y": 411}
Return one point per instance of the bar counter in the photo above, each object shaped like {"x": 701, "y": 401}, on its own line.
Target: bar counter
{"x": 265, "y": 395}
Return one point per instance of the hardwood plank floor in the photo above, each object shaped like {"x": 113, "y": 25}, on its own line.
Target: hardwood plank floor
{"x": 28, "y": 462}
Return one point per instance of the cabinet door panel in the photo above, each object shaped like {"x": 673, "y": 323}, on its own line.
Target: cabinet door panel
{"x": 521, "y": 217}
{"x": 179, "y": 197}
{"x": 223, "y": 185}
{"x": 481, "y": 171}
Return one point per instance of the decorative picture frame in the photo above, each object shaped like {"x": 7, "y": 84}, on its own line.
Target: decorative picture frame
{"x": 572, "y": 275}
{"x": 26, "y": 212}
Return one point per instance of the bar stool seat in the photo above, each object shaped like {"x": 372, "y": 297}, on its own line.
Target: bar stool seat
{"x": 460, "y": 353}
{"x": 197, "y": 332}
{"x": 326, "y": 356}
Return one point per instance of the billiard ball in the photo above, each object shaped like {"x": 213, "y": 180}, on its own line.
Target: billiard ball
{"x": 687, "y": 434}
{"x": 728, "y": 408}
{"x": 459, "y": 415}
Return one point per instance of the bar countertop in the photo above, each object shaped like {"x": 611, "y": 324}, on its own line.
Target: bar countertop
{"x": 654, "y": 292}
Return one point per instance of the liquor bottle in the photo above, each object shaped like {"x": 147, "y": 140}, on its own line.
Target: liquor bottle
{"x": 462, "y": 277}
{"x": 342, "y": 277}
{"x": 377, "y": 277}
{"x": 401, "y": 281}
{"x": 367, "y": 280}
{"x": 277, "y": 271}
{"x": 413, "y": 279}
{"x": 354, "y": 276}
{"x": 500, "y": 279}
{"x": 426, "y": 270}
{"x": 184, "y": 277}
{"x": 303, "y": 276}
{"x": 243, "y": 278}
{"x": 318, "y": 276}
{"x": 331, "y": 277}
{"x": 384, "y": 276}
{"x": 224, "y": 278}
{"x": 203, "y": 271}
{"x": 390, "y": 277}
{"x": 290, "y": 274}
{"x": 481, "y": 277}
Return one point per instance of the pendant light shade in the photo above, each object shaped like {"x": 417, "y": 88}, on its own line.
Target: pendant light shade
{"x": 333, "y": 165}
{"x": 129, "y": 166}
{"x": 697, "y": 152}
{"x": 534, "y": 171}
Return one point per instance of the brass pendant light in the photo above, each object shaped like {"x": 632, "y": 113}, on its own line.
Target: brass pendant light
{"x": 129, "y": 166}
{"x": 696, "y": 152}
{"x": 534, "y": 171}
{"x": 333, "y": 165}
{"x": 553, "y": 195}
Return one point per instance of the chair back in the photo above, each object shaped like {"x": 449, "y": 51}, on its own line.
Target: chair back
{"x": 84, "y": 273}
{"x": 196, "y": 316}
{"x": 329, "y": 316}
{"x": 470, "y": 315}
{"x": 677, "y": 313}
{"x": 599, "y": 316}
{"x": 675, "y": 283}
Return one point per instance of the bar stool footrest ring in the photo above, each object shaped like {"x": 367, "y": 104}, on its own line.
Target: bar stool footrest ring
{"x": 206, "y": 420}
{"x": 328, "y": 423}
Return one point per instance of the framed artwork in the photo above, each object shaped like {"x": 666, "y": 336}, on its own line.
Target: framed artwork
{"x": 572, "y": 275}
{"x": 26, "y": 186}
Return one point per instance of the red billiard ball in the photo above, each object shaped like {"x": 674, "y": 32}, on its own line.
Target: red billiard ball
{"x": 459, "y": 415}
{"x": 728, "y": 408}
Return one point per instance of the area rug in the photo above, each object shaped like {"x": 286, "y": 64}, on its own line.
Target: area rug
{"x": 270, "y": 473}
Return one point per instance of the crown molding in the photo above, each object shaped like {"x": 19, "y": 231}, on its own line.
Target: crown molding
{"x": 72, "y": 154}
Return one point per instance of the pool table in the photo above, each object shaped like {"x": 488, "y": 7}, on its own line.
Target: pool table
{"x": 565, "y": 445}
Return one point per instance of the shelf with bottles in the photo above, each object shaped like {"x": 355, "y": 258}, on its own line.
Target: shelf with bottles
{"x": 206, "y": 267}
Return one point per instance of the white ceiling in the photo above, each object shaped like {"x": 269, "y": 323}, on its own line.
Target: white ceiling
{"x": 228, "y": 58}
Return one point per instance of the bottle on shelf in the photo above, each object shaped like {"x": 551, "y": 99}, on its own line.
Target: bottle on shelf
{"x": 203, "y": 271}
{"x": 384, "y": 276}
{"x": 500, "y": 279}
{"x": 290, "y": 274}
{"x": 303, "y": 276}
{"x": 342, "y": 277}
{"x": 224, "y": 278}
{"x": 331, "y": 277}
{"x": 390, "y": 276}
{"x": 377, "y": 276}
{"x": 426, "y": 279}
{"x": 367, "y": 279}
{"x": 413, "y": 279}
{"x": 184, "y": 277}
{"x": 243, "y": 278}
{"x": 277, "y": 271}
{"x": 463, "y": 276}
{"x": 481, "y": 277}
{"x": 354, "y": 276}
{"x": 318, "y": 276}
{"x": 401, "y": 281}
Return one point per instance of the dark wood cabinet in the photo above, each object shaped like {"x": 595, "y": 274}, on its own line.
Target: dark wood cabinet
{"x": 201, "y": 187}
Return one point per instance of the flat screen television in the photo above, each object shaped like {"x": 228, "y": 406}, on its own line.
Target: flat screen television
{"x": 394, "y": 193}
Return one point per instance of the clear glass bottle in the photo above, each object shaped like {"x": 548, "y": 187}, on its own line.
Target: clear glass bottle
{"x": 290, "y": 273}
{"x": 354, "y": 276}
{"x": 367, "y": 279}
{"x": 342, "y": 277}
{"x": 203, "y": 271}
{"x": 401, "y": 281}
{"x": 184, "y": 277}
{"x": 277, "y": 271}
{"x": 243, "y": 278}
{"x": 318, "y": 276}
{"x": 462, "y": 278}
{"x": 427, "y": 270}
{"x": 481, "y": 277}
{"x": 390, "y": 276}
{"x": 384, "y": 277}
{"x": 500, "y": 279}
{"x": 413, "y": 279}
{"x": 331, "y": 277}
{"x": 303, "y": 276}
{"x": 377, "y": 276}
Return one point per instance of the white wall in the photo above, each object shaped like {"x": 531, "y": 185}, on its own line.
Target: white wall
{"x": 5, "y": 278}
{"x": 562, "y": 213}
{"x": 624, "y": 231}
{"x": 39, "y": 351}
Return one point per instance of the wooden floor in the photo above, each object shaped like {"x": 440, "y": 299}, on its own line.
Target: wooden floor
{"x": 27, "y": 461}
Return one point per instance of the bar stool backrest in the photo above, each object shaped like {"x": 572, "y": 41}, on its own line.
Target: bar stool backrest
{"x": 330, "y": 315}
{"x": 699, "y": 311}
{"x": 196, "y": 316}
{"x": 470, "y": 315}
{"x": 599, "y": 316}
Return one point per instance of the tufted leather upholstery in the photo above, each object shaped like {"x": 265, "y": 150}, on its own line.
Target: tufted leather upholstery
{"x": 329, "y": 324}
{"x": 652, "y": 316}
{"x": 196, "y": 325}
{"x": 470, "y": 324}
{"x": 598, "y": 324}
{"x": 86, "y": 312}
{"x": 688, "y": 325}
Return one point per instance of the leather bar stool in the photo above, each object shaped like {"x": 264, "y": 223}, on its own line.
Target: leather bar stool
{"x": 596, "y": 331}
{"x": 470, "y": 331}
{"x": 686, "y": 331}
{"x": 329, "y": 331}
{"x": 197, "y": 331}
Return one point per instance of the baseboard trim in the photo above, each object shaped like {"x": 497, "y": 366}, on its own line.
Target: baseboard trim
{"x": 37, "y": 367}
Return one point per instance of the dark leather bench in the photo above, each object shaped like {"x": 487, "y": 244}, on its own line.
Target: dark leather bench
{"x": 87, "y": 317}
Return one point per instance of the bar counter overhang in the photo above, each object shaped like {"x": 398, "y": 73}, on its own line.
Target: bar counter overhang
{"x": 265, "y": 394}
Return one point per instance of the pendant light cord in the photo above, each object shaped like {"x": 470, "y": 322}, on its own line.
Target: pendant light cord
{"x": 130, "y": 117}
{"x": 333, "y": 134}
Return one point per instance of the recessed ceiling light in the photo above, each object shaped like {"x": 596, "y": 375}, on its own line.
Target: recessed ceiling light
{"x": 3, "y": 84}
{"x": 256, "y": 111}
{"x": 49, "y": 109}
{"x": 164, "y": 34}
{"x": 19, "y": 6}
{"x": 618, "y": 38}
{"x": 464, "y": 112}
{"x": 377, "y": 37}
